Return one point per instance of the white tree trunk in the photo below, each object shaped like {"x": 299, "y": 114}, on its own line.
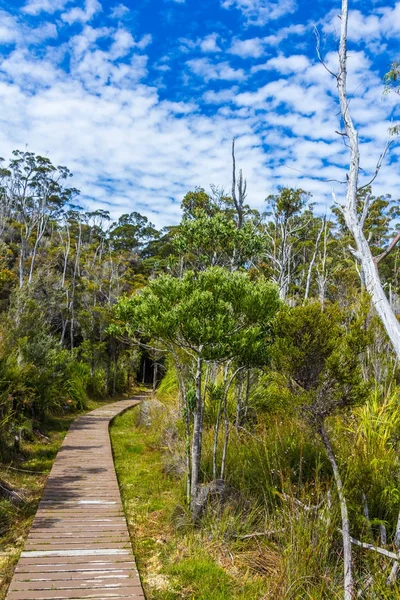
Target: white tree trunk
{"x": 353, "y": 219}
{"x": 348, "y": 574}
{"x": 311, "y": 266}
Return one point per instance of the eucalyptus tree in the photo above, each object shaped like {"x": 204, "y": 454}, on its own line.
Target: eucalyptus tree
{"x": 35, "y": 193}
{"x": 354, "y": 213}
{"x": 207, "y": 316}
{"x": 288, "y": 220}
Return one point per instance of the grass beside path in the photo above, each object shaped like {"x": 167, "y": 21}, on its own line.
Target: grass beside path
{"x": 175, "y": 560}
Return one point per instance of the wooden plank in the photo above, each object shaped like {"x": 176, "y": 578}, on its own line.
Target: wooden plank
{"x": 79, "y": 545}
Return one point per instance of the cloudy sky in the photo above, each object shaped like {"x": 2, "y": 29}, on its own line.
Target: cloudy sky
{"x": 141, "y": 99}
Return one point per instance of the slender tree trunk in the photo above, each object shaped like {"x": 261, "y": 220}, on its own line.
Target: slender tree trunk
{"x": 216, "y": 435}
{"x": 76, "y": 269}
{"x": 354, "y": 221}
{"x": 395, "y": 568}
{"x": 197, "y": 432}
{"x": 22, "y": 252}
{"x": 247, "y": 396}
{"x": 40, "y": 232}
{"x": 239, "y": 401}
{"x": 322, "y": 277}
{"x": 66, "y": 255}
{"x": 108, "y": 372}
{"x": 311, "y": 265}
{"x": 114, "y": 390}
{"x": 155, "y": 368}
{"x": 187, "y": 417}
{"x": 218, "y": 419}
{"x": 347, "y": 555}
{"x": 226, "y": 439}
{"x": 144, "y": 370}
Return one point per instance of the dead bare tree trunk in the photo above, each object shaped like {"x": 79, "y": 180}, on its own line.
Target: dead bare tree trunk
{"x": 395, "y": 568}
{"x": 347, "y": 562}
{"x": 222, "y": 406}
{"x": 322, "y": 277}
{"x": 354, "y": 220}
{"x": 73, "y": 287}
{"x": 311, "y": 266}
{"x": 241, "y": 188}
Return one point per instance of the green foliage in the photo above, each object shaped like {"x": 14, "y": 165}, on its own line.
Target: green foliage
{"x": 288, "y": 203}
{"x": 319, "y": 349}
{"x": 76, "y": 384}
{"x": 220, "y": 314}
{"x": 215, "y": 240}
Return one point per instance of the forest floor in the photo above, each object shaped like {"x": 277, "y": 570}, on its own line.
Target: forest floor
{"x": 27, "y": 473}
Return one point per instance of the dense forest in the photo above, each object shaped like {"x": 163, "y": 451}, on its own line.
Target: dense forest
{"x": 278, "y": 380}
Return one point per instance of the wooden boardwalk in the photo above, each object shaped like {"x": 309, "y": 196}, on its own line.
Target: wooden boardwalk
{"x": 79, "y": 544}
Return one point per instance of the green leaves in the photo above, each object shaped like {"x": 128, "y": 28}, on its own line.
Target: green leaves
{"x": 213, "y": 313}
{"x": 215, "y": 240}
{"x": 319, "y": 352}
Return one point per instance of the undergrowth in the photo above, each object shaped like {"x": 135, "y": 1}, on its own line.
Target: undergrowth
{"x": 277, "y": 535}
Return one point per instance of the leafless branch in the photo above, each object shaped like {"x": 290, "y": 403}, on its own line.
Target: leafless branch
{"x": 383, "y": 551}
{"x": 318, "y": 49}
{"x": 378, "y": 165}
{"x": 391, "y": 246}
{"x": 314, "y": 177}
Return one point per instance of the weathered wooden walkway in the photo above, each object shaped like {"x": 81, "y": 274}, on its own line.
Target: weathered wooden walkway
{"x": 79, "y": 544}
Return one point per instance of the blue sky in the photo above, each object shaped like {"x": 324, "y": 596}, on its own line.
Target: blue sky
{"x": 141, "y": 99}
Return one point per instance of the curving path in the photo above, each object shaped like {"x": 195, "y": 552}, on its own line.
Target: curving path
{"x": 79, "y": 544}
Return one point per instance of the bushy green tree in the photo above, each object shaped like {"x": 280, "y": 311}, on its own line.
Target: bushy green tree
{"x": 211, "y": 315}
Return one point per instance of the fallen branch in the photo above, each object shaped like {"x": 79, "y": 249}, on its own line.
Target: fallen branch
{"x": 259, "y": 534}
{"x": 383, "y": 551}
{"x": 41, "y": 436}
{"x": 27, "y": 471}
{"x": 8, "y": 492}
{"x": 305, "y": 507}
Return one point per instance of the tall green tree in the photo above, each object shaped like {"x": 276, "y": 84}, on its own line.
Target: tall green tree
{"x": 211, "y": 315}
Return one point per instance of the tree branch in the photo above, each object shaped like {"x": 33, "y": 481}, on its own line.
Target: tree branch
{"x": 384, "y": 254}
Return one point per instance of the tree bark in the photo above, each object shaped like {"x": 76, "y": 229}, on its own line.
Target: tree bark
{"x": 347, "y": 561}
{"x": 197, "y": 433}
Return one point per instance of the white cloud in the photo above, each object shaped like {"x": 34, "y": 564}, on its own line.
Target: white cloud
{"x": 285, "y": 64}
{"x": 35, "y": 7}
{"x": 383, "y": 22}
{"x": 208, "y": 70}
{"x": 260, "y": 12}
{"x": 253, "y": 47}
{"x": 123, "y": 43}
{"x": 284, "y": 33}
{"x": 144, "y": 41}
{"x": 82, "y": 15}
{"x": 12, "y": 31}
{"x": 119, "y": 11}
{"x": 220, "y": 97}
{"x": 209, "y": 43}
